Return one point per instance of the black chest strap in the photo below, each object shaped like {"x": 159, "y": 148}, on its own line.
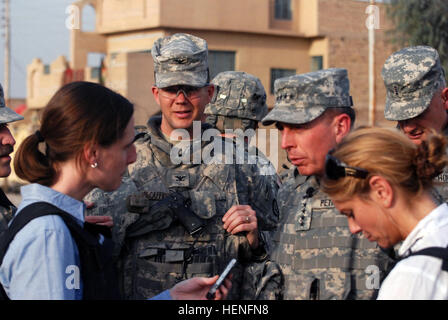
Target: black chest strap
{"x": 437, "y": 252}
{"x": 96, "y": 259}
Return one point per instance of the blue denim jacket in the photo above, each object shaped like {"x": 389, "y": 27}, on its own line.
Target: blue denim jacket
{"x": 42, "y": 262}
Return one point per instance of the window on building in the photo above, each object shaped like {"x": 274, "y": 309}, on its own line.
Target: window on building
{"x": 94, "y": 59}
{"x": 283, "y": 10}
{"x": 280, "y": 73}
{"x": 47, "y": 69}
{"x": 220, "y": 61}
{"x": 317, "y": 63}
{"x": 95, "y": 73}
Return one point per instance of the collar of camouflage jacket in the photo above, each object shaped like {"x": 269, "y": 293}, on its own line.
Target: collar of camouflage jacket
{"x": 4, "y": 201}
{"x": 310, "y": 181}
{"x": 297, "y": 178}
{"x": 164, "y": 148}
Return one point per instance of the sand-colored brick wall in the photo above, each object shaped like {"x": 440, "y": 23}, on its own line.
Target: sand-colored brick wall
{"x": 343, "y": 23}
{"x": 40, "y": 85}
{"x": 129, "y": 15}
{"x": 252, "y": 16}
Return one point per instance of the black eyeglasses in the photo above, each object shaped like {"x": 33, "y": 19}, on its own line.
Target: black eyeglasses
{"x": 336, "y": 169}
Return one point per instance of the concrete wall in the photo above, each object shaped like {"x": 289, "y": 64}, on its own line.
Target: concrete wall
{"x": 130, "y": 15}
{"x": 253, "y": 16}
{"x": 40, "y": 85}
{"x": 140, "y": 75}
{"x": 83, "y": 43}
{"x": 132, "y": 75}
{"x": 343, "y": 23}
{"x": 133, "y": 42}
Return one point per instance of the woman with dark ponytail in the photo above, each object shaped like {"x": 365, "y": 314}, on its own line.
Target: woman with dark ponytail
{"x": 382, "y": 182}
{"x": 85, "y": 141}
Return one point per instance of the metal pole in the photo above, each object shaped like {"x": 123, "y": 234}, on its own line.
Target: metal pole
{"x": 372, "y": 97}
{"x": 7, "y": 35}
{"x": 7, "y": 76}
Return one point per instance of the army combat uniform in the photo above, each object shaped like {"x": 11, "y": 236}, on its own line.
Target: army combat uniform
{"x": 163, "y": 252}
{"x": 238, "y": 105}
{"x": 319, "y": 257}
{"x": 171, "y": 228}
{"x": 412, "y": 76}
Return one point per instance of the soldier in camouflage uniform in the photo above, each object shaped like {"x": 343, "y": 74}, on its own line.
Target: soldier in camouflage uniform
{"x": 417, "y": 97}
{"x": 237, "y": 106}
{"x": 239, "y": 102}
{"x": 320, "y": 259}
{"x": 7, "y": 142}
{"x": 221, "y": 205}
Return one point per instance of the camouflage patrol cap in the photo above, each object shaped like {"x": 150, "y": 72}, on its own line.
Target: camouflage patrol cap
{"x": 239, "y": 95}
{"x": 180, "y": 59}
{"x": 7, "y": 115}
{"x": 302, "y": 98}
{"x": 412, "y": 76}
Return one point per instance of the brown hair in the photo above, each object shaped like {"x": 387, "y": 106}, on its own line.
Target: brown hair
{"x": 390, "y": 154}
{"x": 78, "y": 114}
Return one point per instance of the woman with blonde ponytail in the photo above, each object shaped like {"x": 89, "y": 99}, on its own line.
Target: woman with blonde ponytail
{"x": 382, "y": 182}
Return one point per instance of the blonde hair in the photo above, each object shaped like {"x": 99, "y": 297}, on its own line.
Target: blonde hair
{"x": 390, "y": 154}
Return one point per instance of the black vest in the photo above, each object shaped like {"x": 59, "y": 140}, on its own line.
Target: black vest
{"x": 97, "y": 268}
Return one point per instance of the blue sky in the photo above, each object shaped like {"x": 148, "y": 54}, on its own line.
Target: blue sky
{"x": 38, "y": 30}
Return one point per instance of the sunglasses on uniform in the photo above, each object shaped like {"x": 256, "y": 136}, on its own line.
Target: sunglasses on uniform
{"x": 189, "y": 92}
{"x": 336, "y": 169}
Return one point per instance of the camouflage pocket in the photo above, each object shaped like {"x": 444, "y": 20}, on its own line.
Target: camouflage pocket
{"x": 335, "y": 286}
{"x": 166, "y": 253}
{"x": 297, "y": 285}
{"x": 263, "y": 281}
{"x": 204, "y": 203}
{"x": 158, "y": 269}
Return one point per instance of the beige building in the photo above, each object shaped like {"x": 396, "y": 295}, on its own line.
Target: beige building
{"x": 267, "y": 38}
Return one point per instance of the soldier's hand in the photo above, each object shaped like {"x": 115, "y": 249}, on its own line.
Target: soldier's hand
{"x": 100, "y": 220}
{"x": 241, "y": 218}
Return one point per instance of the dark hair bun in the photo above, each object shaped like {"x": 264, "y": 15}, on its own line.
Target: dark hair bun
{"x": 430, "y": 157}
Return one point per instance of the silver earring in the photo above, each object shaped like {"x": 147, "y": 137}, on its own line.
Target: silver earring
{"x": 94, "y": 165}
